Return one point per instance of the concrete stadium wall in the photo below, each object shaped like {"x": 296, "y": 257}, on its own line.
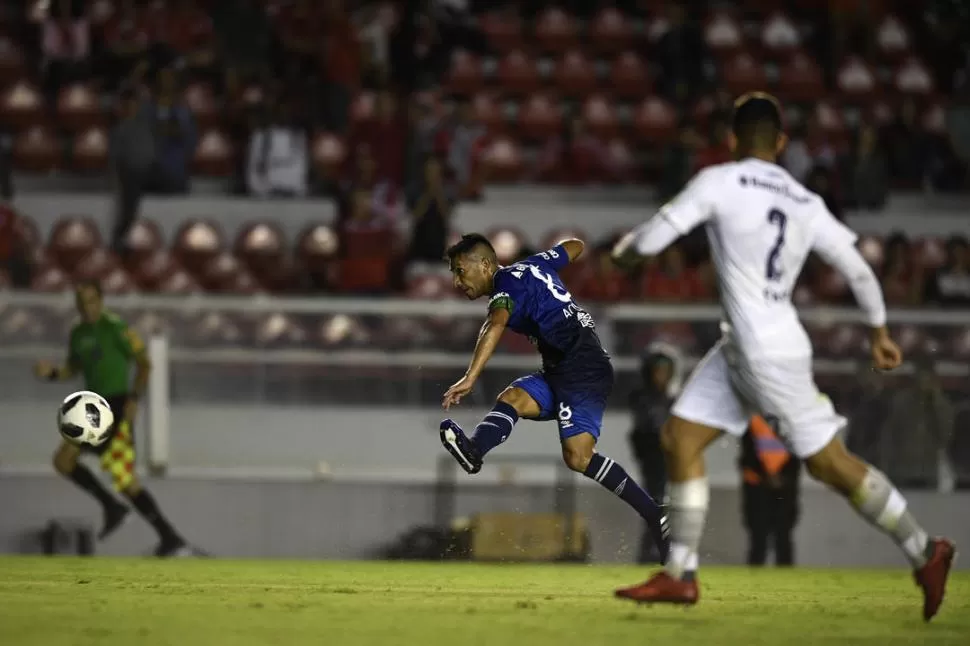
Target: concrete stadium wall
{"x": 334, "y": 520}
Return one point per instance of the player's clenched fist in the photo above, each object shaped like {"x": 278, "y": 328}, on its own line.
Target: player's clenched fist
{"x": 886, "y": 355}
{"x": 458, "y": 390}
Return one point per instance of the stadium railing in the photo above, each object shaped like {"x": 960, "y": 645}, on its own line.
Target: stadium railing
{"x": 325, "y": 351}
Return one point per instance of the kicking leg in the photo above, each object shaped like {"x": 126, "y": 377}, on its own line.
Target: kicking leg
{"x": 66, "y": 463}
{"x": 579, "y": 455}
{"x": 514, "y": 402}
{"x": 880, "y": 503}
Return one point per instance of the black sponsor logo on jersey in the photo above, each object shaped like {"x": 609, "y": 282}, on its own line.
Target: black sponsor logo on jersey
{"x": 778, "y": 189}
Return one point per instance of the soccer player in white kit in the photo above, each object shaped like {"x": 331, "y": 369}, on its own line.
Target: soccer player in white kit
{"x": 761, "y": 225}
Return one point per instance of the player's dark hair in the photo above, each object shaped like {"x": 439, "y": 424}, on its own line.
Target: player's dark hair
{"x": 468, "y": 243}
{"x": 757, "y": 120}
{"x": 90, "y": 284}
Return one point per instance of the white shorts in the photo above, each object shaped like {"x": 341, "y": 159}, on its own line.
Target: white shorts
{"x": 726, "y": 389}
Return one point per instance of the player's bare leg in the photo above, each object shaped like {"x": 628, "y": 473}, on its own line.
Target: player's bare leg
{"x": 513, "y": 403}
{"x": 878, "y": 501}
{"x": 67, "y": 463}
{"x": 683, "y": 444}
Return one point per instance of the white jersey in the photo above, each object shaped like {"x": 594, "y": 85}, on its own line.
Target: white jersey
{"x": 761, "y": 224}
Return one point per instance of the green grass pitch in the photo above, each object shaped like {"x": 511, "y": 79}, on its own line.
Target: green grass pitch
{"x": 132, "y": 602}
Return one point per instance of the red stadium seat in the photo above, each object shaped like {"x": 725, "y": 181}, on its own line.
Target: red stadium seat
{"x": 872, "y": 250}
{"x": 177, "y": 282}
{"x": 540, "y": 117}
{"x": 49, "y": 278}
{"x": 722, "y": 33}
{"x": 21, "y": 105}
{"x": 197, "y": 242}
{"x": 800, "y": 79}
{"x": 97, "y": 264}
{"x": 202, "y": 102}
{"x": 153, "y": 269}
{"x": 117, "y": 281}
{"x": 600, "y": 116}
{"x": 503, "y": 160}
{"x": 830, "y": 286}
{"x": 71, "y": 239}
{"x": 11, "y": 59}
{"x": 574, "y": 74}
{"x": 465, "y": 75}
{"x": 779, "y": 35}
{"x": 509, "y": 244}
{"x": 622, "y": 162}
{"x": 214, "y": 156}
{"x": 488, "y": 112}
{"x": 610, "y": 31}
{"x": 36, "y": 150}
{"x": 929, "y": 253}
{"x": 830, "y": 120}
{"x": 555, "y": 30}
{"x": 503, "y": 29}
{"x": 912, "y": 77}
{"x": 79, "y": 107}
{"x": 261, "y": 246}
{"x": 892, "y": 38}
{"x": 342, "y": 331}
{"x": 316, "y": 252}
{"x": 89, "y": 150}
{"x": 328, "y": 153}
{"x": 517, "y": 73}
{"x": 856, "y": 80}
{"x": 629, "y": 77}
{"x": 655, "y": 120}
{"x": 223, "y": 273}
{"x": 277, "y": 329}
{"x": 743, "y": 73}
{"x": 215, "y": 328}
{"x": 144, "y": 238}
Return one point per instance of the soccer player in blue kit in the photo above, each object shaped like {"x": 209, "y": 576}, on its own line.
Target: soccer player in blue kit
{"x": 574, "y": 384}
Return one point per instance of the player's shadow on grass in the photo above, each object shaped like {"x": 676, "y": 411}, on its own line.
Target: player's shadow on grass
{"x": 646, "y": 616}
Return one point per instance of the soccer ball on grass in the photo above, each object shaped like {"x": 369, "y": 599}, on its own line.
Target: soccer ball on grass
{"x": 85, "y": 418}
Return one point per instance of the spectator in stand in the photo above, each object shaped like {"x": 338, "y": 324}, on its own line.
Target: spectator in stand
{"x": 245, "y": 40}
{"x": 715, "y": 149}
{"x": 341, "y": 65}
{"x": 366, "y": 248}
{"x": 385, "y": 139}
{"x": 126, "y": 45}
{"x": 185, "y": 32}
{"x": 278, "y": 156}
{"x": 821, "y": 181}
{"x": 462, "y": 141}
{"x": 866, "y": 172}
{"x": 576, "y": 156}
{"x": 65, "y": 45}
{"x": 671, "y": 280}
{"x": 901, "y": 284}
{"x": 908, "y": 148}
{"x": 423, "y": 125}
{"x": 387, "y": 200}
{"x": 678, "y": 161}
{"x": 599, "y": 279}
{"x": 373, "y": 29}
{"x": 680, "y": 55}
{"x": 175, "y": 137}
{"x": 431, "y": 216}
{"x": 14, "y": 254}
{"x": 949, "y": 285}
{"x": 797, "y": 158}
{"x": 132, "y": 154}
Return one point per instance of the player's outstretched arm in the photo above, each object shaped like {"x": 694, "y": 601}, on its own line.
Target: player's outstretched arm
{"x": 648, "y": 239}
{"x": 488, "y": 339}
{"x": 574, "y": 248}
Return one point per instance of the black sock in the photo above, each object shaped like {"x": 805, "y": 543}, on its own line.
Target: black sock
{"x": 84, "y": 479}
{"x": 148, "y": 508}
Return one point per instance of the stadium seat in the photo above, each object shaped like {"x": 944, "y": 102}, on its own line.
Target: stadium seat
{"x": 892, "y": 38}
{"x": 49, "y": 278}
{"x": 830, "y": 286}
{"x": 502, "y": 29}
{"x": 508, "y": 242}
{"x": 800, "y": 78}
{"x": 363, "y": 109}
{"x": 574, "y": 75}
{"x": 723, "y": 34}
{"x": 465, "y": 74}
{"x": 929, "y": 253}
{"x": 202, "y": 102}
{"x": 540, "y": 117}
{"x": 225, "y": 273}
{"x": 555, "y": 30}
{"x": 215, "y": 328}
{"x": 856, "y": 80}
{"x": 178, "y": 281}
{"x": 912, "y": 77}
{"x": 844, "y": 340}
{"x": 488, "y": 112}
{"x": 197, "y": 242}
{"x": 910, "y": 339}
{"x": 36, "y": 150}
{"x": 503, "y": 160}
{"x": 144, "y": 238}
{"x": 89, "y": 150}
{"x": 872, "y": 250}
{"x": 117, "y": 281}
{"x": 279, "y": 330}
{"x": 600, "y": 117}
{"x": 742, "y": 73}
{"x": 11, "y": 60}
{"x": 71, "y": 239}
{"x": 622, "y": 162}
{"x": 655, "y": 120}
{"x": 21, "y": 105}
{"x": 342, "y": 331}
{"x": 779, "y": 35}
{"x": 151, "y": 270}
{"x": 95, "y": 265}
{"x": 316, "y": 252}
{"x": 327, "y": 153}
{"x": 830, "y": 120}
{"x": 610, "y": 31}
{"x": 629, "y": 77}
{"x": 517, "y": 73}
{"x": 261, "y": 246}
{"x": 79, "y": 107}
{"x": 214, "y": 155}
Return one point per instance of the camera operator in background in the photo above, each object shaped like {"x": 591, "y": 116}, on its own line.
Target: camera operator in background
{"x": 650, "y": 405}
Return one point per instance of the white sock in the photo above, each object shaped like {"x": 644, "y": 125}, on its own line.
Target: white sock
{"x": 688, "y": 511}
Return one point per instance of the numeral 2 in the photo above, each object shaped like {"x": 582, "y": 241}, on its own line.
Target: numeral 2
{"x": 779, "y": 219}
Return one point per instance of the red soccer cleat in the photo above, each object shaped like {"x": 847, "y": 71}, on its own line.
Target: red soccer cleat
{"x": 662, "y": 588}
{"x": 932, "y": 576}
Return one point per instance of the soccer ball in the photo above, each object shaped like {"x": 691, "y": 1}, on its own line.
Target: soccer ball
{"x": 85, "y": 418}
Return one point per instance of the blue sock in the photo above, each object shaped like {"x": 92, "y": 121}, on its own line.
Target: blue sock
{"x": 612, "y": 476}
{"x": 495, "y": 428}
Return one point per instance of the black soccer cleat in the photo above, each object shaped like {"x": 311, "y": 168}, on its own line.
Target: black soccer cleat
{"x": 460, "y": 447}
{"x": 171, "y": 546}
{"x": 114, "y": 517}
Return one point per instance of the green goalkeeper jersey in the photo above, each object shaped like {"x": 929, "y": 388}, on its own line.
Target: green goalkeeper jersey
{"x": 103, "y": 352}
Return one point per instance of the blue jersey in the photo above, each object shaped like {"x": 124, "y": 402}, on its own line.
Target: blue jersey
{"x": 541, "y": 308}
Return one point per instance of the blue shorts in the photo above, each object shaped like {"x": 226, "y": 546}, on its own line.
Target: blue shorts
{"x": 576, "y": 407}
